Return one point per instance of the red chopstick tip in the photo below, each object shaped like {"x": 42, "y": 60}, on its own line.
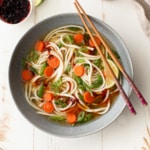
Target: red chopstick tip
{"x": 132, "y": 110}
{"x": 144, "y": 102}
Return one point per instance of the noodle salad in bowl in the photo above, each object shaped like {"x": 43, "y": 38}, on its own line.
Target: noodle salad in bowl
{"x": 65, "y": 78}
{"x": 59, "y": 82}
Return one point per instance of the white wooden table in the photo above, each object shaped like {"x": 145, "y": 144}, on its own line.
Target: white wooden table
{"x": 127, "y": 131}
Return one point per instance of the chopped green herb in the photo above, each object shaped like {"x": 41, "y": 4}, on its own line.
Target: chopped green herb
{"x": 88, "y": 117}
{"x": 97, "y": 82}
{"x": 56, "y": 86}
{"x": 60, "y": 103}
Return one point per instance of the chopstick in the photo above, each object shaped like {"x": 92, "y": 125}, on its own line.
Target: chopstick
{"x": 135, "y": 89}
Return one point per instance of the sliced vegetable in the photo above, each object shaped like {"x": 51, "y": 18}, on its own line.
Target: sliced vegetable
{"x": 74, "y": 28}
{"x": 42, "y": 68}
{"x": 80, "y": 116}
{"x": 27, "y": 75}
{"x": 79, "y": 70}
{"x": 58, "y": 118}
{"x": 40, "y": 90}
{"x": 88, "y": 97}
{"x": 68, "y": 39}
{"x": 68, "y": 68}
{"x": 91, "y": 43}
{"x": 48, "y": 96}
{"x": 48, "y": 107}
{"x": 53, "y": 62}
{"x": 71, "y": 118}
{"x": 38, "y": 2}
{"x": 48, "y": 71}
{"x": 39, "y": 46}
{"x": 78, "y": 38}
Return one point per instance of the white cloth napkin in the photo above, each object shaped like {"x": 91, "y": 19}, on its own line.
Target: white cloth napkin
{"x": 143, "y": 12}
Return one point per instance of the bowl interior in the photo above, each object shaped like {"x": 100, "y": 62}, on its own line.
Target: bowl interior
{"x": 28, "y": 40}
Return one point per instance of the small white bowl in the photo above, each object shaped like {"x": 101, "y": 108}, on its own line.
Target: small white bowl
{"x": 16, "y": 20}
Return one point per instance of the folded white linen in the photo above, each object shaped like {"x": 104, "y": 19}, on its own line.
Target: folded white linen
{"x": 143, "y": 11}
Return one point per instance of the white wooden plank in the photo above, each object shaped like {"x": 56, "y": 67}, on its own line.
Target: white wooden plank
{"x": 58, "y": 7}
{"x": 93, "y": 141}
{"x": 127, "y": 131}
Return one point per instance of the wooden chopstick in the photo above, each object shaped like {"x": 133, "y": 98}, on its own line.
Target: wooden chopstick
{"x": 134, "y": 87}
{"x": 81, "y": 14}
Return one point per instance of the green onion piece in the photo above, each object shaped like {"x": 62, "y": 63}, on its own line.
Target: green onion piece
{"x": 74, "y": 28}
{"x": 33, "y": 70}
{"x": 80, "y": 116}
{"x": 68, "y": 69}
{"x": 81, "y": 97}
{"x": 80, "y": 61}
{"x": 58, "y": 118}
{"x": 41, "y": 90}
{"x": 42, "y": 68}
{"x": 69, "y": 39}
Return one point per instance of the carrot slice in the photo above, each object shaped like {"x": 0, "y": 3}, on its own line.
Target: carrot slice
{"x": 27, "y": 74}
{"x": 78, "y": 38}
{"x": 48, "y": 71}
{"x": 91, "y": 43}
{"x": 53, "y": 61}
{"x": 88, "y": 97}
{"x": 48, "y": 96}
{"x": 48, "y": 107}
{"x": 71, "y": 118}
{"x": 79, "y": 70}
{"x": 39, "y": 46}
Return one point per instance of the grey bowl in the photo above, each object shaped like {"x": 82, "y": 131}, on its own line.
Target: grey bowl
{"x": 16, "y": 87}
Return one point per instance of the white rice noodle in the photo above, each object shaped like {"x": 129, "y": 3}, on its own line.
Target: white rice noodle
{"x": 43, "y": 57}
{"x": 63, "y": 29}
{"x": 90, "y": 57}
{"x": 72, "y": 85}
{"x": 67, "y": 45}
{"x": 28, "y": 98}
{"x": 56, "y": 48}
{"x": 80, "y": 101}
{"x": 58, "y": 109}
{"x": 68, "y": 57}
